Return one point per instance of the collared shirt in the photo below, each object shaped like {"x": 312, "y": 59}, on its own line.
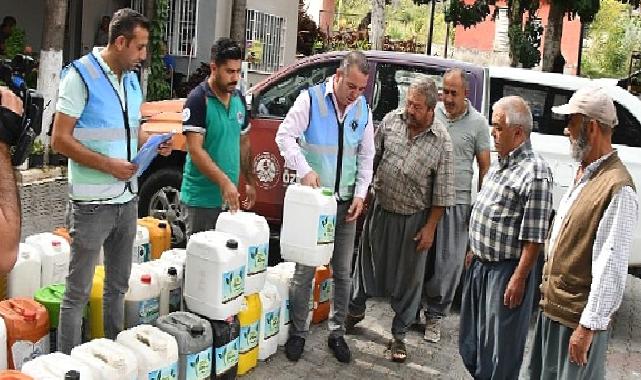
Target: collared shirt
{"x": 72, "y": 99}
{"x": 297, "y": 121}
{"x": 611, "y": 249}
{"x": 470, "y": 136}
{"x": 416, "y": 173}
{"x": 513, "y": 206}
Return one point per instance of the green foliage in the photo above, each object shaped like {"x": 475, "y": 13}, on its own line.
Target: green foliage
{"x": 525, "y": 43}
{"x": 15, "y": 43}
{"x": 466, "y": 15}
{"x": 157, "y": 86}
{"x": 613, "y": 35}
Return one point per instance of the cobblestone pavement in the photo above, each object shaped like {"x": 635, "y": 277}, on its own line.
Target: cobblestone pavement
{"x": 435, "y": 361}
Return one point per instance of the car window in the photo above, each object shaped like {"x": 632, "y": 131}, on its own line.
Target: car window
{"x": 628, "y": 131}
{"x": 391, "y": 84}
{"x": 276, "y": 100}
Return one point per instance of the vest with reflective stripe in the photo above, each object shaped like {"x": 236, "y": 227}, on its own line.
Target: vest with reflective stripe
{"x": 103, "y": 129}
{"x": 320, "y": 142}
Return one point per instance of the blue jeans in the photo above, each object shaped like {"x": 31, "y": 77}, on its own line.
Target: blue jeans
{"x": 92, "y": 226}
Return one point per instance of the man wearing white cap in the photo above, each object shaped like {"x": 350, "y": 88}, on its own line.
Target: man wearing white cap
{"x": 586, "y": 263}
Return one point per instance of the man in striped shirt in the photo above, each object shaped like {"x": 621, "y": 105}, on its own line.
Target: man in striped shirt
{"x": 508, "y": 226}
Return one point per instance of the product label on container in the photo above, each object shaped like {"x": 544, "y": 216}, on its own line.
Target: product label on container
{"x": 249, "y": 337}
{"x": 325, "y": 290}
{"x": 24, "y": 350}
{"x": 233, "y": 284}
{"x": 199, "y": 365}
{"x": 272, "y": 323}
{"x": 142, "y": 312}
{"x": 257, "y": 258}
{"x": 167, "y": 373}
{"x": 326, "y": 228}
{"x": 141, "y": 253}
{"x": 175, "y": 299}
{"x": 287, "y": 312}
{"x": 226, "y": 356}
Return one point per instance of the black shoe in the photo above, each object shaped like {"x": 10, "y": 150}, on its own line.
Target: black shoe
{"x": 294, "y": 347}
{"x": 352, "y": 320}
{"x": 340, "y": 349}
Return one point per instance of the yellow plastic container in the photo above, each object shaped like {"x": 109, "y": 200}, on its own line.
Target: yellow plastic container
{"x": 95, "y": 304}
{"x": 159, "y": 235}
{"x": 249, "y": 319}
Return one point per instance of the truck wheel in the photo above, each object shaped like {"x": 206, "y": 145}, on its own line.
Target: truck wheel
{"x": 159, "y": 196}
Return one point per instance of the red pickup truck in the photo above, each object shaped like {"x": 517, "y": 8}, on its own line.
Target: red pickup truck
{"x": 268, "y": 102}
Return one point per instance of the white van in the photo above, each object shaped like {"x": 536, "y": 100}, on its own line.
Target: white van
{"x": 543, "y": 91}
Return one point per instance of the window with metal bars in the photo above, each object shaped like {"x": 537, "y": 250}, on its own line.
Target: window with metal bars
{"x": 265, "y": 36}
{"x": 180, "y": 31}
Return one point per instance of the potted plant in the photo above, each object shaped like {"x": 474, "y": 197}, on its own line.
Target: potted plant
{"x": 56, "y": 159}
{"x": 37, "y": 154}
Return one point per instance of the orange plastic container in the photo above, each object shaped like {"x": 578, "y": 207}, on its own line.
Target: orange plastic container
{"x": 14, "y": 375}
{"x": 27, "y": 324}
{"x": 322, "y": 294}
{"x": 63, "y": 232}
{"x": 159, "y": 235}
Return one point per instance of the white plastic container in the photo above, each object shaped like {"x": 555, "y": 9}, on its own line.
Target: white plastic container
{"x": 24, "y": 278}
{"x": 176, "y": 256}
{"x": 107, "y": 359}
{"x": 142, "y": 301}
{"x": 215, "y": 274}
{"x": 309, "y": 222}
{"x": 253, "y": 232}
{"x": 269, "y": 321}
{"x": 54, "y": 254}
{"x": 55, "y": 366}
{"x": 277, "y": 277}
{"x": 141, "y": 252}
{"x": 156, "y": 351}
{"x": 170, "y": 277}
{"x": 3, "y": 345}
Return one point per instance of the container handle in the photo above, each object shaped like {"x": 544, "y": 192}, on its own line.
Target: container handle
{"x": 154, "y": 344}
{"x": 119, "y": 363}
{"x": 189, "y": 326}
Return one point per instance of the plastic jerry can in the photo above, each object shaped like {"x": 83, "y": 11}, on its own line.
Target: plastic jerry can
{"x": 95, "y": 304}
{"x": 54, "y": 254}
{"x": 252, "y": 230}
{"x": 3, "y": 345}
{"x": 51, "y": 298}
{"x": 24, "y": 278}
{"x": 57, "y": 366}
{"x": 175, "y": 256}
{"x": 159, "y": 235}
{"x": 309, "y": 221}
{"x": 226, "y": 348}
{"x": 142, "y": 301}
{"x": 215, "y": 274}
{"x": 195, "y": 343}
{"x": 269, "y": 321}
{"x": 277, "y": 277}
{"x": 107, "y": 359}
{"x": 27, "y": 324}
{"x": 249, "y": 318}
{"x": 322, "y": 294}
{"x": 156, "y": 351}
{"x": 141, "y": 251}
{"x": 171, "y": 284}
{"x": 11, "y": 374}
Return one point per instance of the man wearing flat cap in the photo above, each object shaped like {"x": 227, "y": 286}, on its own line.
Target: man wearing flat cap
{"x": 588, "y": 249}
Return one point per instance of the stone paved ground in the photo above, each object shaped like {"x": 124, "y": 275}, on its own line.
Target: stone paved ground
{"x": 430, "y": 361}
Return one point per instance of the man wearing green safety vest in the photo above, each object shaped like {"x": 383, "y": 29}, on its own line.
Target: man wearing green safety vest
{"x": 97, "y": 127}
{"x": 333, "y": 124}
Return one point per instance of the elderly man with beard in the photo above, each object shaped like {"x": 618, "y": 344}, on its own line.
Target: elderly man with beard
{"x": 586, "y": 265}
{"x": 508, "y": 226}
{"x": 414, "y": 183}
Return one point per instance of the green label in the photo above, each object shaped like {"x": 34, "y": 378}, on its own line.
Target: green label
{"x": 233, "y": 284}
{"x": 272, "y": 323}
{"x": 257, "y": 258}
{"x": 249, "y": 335}
{"x": 167, "y": 373}
{"x": 325, "y": 290}
{"x": 326, "y": 229}
{"x": 226, "y": 356}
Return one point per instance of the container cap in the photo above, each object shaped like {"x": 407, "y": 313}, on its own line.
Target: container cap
{"x": 145, "y": 279}
{"x": 327, "y": 192}
{"x": 162, "y": 225}
{"x": 51, "y": 297}
{"x": 196, "y": 330}
{"x": 172, "y": 271}
{"x": 72, "y": 375}
{"x": 232, "y": 244}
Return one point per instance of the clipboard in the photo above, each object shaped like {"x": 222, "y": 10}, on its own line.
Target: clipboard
{"x": 149, "y": 151}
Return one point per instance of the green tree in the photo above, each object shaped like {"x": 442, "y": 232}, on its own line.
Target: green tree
{"x": 158, "y": 88}
{"x": 612, "y": 35}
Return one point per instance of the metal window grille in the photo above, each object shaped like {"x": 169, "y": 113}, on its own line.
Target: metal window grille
{"x": 180, "y": 31}
{"x": 265, "y": 35}
{"x": 501, "y": 39}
